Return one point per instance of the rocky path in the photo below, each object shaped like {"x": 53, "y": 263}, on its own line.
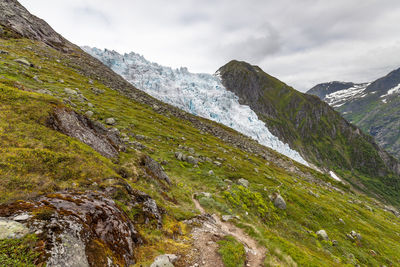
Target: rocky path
{"x": 255, "y": 253}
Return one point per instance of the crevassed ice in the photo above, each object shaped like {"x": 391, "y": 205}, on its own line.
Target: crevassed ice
{"x": 200, "y": 94}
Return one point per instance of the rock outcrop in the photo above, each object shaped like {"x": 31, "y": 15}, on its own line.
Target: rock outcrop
{"x": 15, "y": 18}
{"x": 92, "y": 133}
{"x": 78, "y": 229}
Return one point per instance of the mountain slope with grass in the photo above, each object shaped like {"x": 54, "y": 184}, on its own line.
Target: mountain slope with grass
{"x": 374, "y": 107}
{"x": 87, "y": 159}
{"x": 312, "y": 127}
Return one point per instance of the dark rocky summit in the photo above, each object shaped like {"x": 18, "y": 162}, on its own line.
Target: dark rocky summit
{"x": 17, "y": 21}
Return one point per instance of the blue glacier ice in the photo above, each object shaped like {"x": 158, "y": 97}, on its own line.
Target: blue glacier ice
{"x": 198, "y": 93}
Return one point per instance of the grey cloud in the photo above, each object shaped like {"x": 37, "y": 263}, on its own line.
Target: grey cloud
{"x": 301, "y": 42}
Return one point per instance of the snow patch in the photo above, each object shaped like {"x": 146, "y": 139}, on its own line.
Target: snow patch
{"x": 197, "y": 93}
{"x": 394, "y": 90}
{"x": 339, "y": 98}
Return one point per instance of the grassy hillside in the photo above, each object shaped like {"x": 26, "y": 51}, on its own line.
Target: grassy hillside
{"x": 313, "y": 128}
{"x": 36, "y": 159}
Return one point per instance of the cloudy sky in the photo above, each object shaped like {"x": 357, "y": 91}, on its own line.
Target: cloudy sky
{"x": 302, "y": 42}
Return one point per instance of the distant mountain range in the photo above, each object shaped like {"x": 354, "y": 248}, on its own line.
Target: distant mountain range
{"x": 374, "y": 107}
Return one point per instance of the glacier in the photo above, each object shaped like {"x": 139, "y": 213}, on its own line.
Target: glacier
{"x": 197, "y": 93}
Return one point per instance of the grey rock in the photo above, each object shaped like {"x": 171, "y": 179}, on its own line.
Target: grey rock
{"x": 23, "y": 61}
{"x": 322, "y": 235}
{"x": 243, "y": 182}
{"x": 154, "y": 168}
{"x": 392, "y": 210}
{"x": 165, "y": 260}
{"x": 279, "y": 202}
{"x": 191, "y": 160}
{"x": 89, "y": 132}
{"x": 313, "y": 194}
{"x": 44, "y": 91}
{"x": 334, "y": 243}
{"x": 341, "y": 221}
{"x": 217, "y": 163}
{"x": 18, "y": 19}
{"x": 12, "y": 229}
{"x": 210, "y": 172}
{"x": 70, "y": 91}
{"x": 22, "y": 217}
{"x": 89, "y": 113}
{"x": 228, "y": 181}
{"x": 178, "y": 155}
{"x": 110, "y": 121}
{"x": 355, "y": 235}
{"x": 97, "y": 91}
{"x": 226, "y": 218}
{"x": 2, "y": 52}
{"x": 36, "y": 78}
{"x": 90, "y": 105}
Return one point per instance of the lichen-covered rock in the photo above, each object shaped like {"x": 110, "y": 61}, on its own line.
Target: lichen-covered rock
{"x": 87, "y": 131}
{"x": 279, "y": 202}
{"x": 154, "y": 169}
{"x": 110, "y": 121}
{"x": 12, "y": 229}
{"x": 77, "y": 229}
{"x": 165, "y": 260}
{"x": 243, "y": 182}
{"x": 23, "y": 61}
{"x": 322, "y": 234}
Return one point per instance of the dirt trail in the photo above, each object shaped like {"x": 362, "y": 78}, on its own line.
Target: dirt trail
{"x": 254, "y": 252}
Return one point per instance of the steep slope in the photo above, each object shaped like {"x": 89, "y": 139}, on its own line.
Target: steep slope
{"x": 199, "y": 94}
{"x": 375, "y": 108}
{"x": 311, "y": 126}
{"x": 80, "y": 184}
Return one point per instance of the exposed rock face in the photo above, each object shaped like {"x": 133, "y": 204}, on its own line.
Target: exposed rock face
{"x": 79, "y": 229}
{"x": 15, "y": 17}
{"x": 94, "y": 134}
{"x": 154, "y": 169}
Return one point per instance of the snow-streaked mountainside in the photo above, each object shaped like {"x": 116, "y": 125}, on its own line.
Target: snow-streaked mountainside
{"x": 198, "y": 93}
{"x": 374, "y": 107}
{"x": 340, "y": 97}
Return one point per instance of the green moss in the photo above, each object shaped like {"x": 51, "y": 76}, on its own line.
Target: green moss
{"x": 19, "y": 252}
{"x": 232, "y": 252}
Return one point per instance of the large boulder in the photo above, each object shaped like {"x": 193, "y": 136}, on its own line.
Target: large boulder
{"x": 279, "y": 202}
{"x": 154, "y": 169}
{"x": 92, "y": 133}
{"x": 243, "y": 182}
{"x": 322, "y": 235}
{"x": 165, "y": 260}
{"x": 75, "y": 229}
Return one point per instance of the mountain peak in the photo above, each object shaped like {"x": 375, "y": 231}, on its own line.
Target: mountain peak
{"x": 17, "y": 21}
